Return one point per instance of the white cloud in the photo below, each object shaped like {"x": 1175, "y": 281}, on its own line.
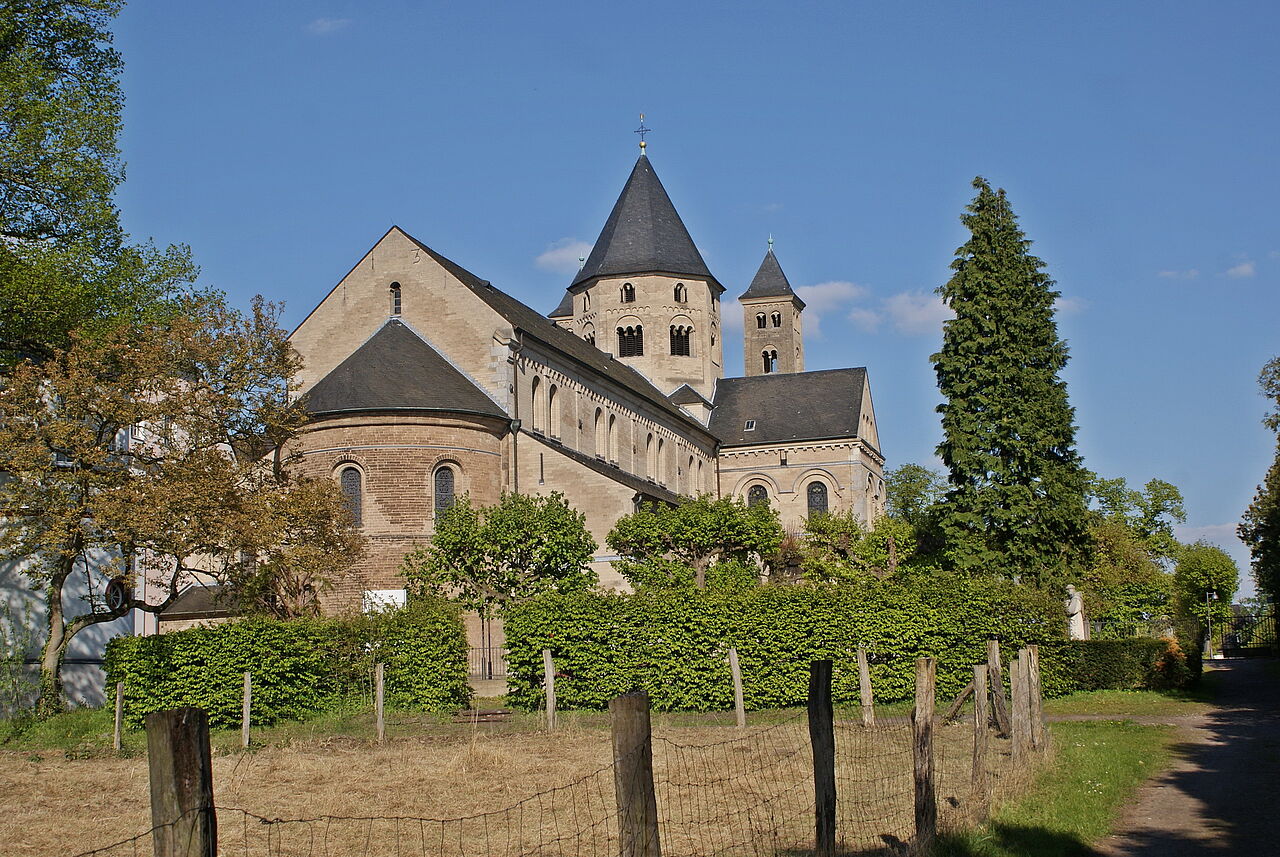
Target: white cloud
{"x": 866, "y": 319}
{"x": 1189, "y": 274}
{"x": 1244, "y": 269}
{"x": 1069, "y": 306}
{"x": 915, "y": 313}
{"x": 563, "y": 256}
{"x": 822, "y": 298}
{"x": 325, "y": 26}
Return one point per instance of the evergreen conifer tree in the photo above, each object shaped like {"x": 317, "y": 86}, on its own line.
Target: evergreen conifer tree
{"x": 1015, "y": 504}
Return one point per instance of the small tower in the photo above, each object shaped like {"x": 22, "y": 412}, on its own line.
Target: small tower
{"x": 772, "y": 337}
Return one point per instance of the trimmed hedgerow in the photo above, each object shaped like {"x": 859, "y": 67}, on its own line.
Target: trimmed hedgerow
{"x": 299, "y": 667}
{"x": 675, "y": 644}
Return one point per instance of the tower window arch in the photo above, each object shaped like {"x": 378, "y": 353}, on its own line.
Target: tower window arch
{"x": 680, "y": 340}
{"x": 445, "y": 485}
{"x": 628, "y": 293}
{"x": 816, "y": 494}
{"x": 760, "y": 322}
{"x": 631, "y": 341}
{"x": 350, "y": 482}
{"x": 770, "y": 361}
{"x": 757, "y": 495}
{"x": 681, "y": 293}
{"x": 776, "y": 318}
{"x": 396, "y": 303}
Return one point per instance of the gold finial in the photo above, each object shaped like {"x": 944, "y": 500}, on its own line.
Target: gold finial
{"x": 642, "y": 130}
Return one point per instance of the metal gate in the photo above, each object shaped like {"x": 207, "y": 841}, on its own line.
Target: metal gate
{"x": 1250, "y": 634}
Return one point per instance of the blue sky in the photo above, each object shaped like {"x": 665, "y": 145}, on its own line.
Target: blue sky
{"x": 1137, "y": 142}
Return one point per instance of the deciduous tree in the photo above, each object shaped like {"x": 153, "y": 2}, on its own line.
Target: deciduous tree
{"x": 1015, "y": 504}
{"x": 911, "y": 490}
{"x": 486, "y": 557}
{"x": 682, "y": 545}
{"x": 140, "y": 454}
{"x": 1205, "y": 570}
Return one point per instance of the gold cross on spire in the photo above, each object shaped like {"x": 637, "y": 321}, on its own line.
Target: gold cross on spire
{"x": 642, "y": 130}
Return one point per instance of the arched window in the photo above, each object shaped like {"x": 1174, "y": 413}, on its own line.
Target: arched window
{"x": 650, "y": 457}
{"x": 586, "y": 301}
{"x": 757, "y": 495}
{"x": 613, "y": 437}
{"x": 628, "y": 293}
{"x": 713, "y": 336}
{"x": 817, "y": 495}
{"x": 553, "y": 411}
{"x": 760, "y": 323}
{"x": 699, "y": 486}
{"x": 600, "y": 438}
{"x": 776, "y": 318}
{"x": 660, "y": 471}
{"x": 589, "y": 333}
{"x": 396, "y": 305}
{"x": 537, "y": 421}
{"x": 631, "y": 341}
{"x": 688, "y": 478}
{"x": 770, "y": 359}
{"x": 680, "y": 340}
{"x": 444, "y": 488}
{"x": 681, "y": 293}
{"x": 349, "y": 480}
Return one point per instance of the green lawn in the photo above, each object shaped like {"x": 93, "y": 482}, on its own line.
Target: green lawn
{"x": 1098, "y": 766}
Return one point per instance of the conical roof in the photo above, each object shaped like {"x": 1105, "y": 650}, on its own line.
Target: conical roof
{"x": 643, "y": 234}
{"x": 396, "y": 370}
{"x": 770, "y": 282}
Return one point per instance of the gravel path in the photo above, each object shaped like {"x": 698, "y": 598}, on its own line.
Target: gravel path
{"x": 1222, "y": 795}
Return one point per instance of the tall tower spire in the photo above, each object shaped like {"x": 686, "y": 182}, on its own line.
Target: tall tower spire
{"x": 773, "y": 340}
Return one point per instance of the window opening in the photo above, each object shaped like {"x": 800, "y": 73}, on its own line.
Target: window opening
{"x": 631, "y": 341}
{"x": 770, "y": 361}
{"x": 444, "y": 489}
{"x": 757, "y": 496}
{"x": 395, "y": 299}
{"x": 350, "y": 480}
{"x": 817, "y": 494}
{"x": 628, "y": 293}
{"x": 682, "y": 294}
{"x": 680, "y": 340}
{"x": 760, "y": 323}
{"x": 777, "y": 319}
{"x": 750, "y": 425}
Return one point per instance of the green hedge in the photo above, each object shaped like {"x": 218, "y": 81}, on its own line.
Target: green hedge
{"x": 675, "y": 644}
{"x": 299, "y": 667}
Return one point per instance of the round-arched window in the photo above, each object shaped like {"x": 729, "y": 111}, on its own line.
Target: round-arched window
{"x": 757, "y": 495}
{"x": 349, "y": 480}
{"x": 817, "y": 496}
{"x": 444, "y": 488}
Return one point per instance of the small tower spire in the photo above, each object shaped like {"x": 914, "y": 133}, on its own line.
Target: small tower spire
{"x": 642, "y": 130}
{"x": 770, "y": 242}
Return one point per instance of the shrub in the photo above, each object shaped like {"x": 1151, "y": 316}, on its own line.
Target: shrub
{"x": 299, "y": 667}
{"x": 675, "y": 644}
{"x": 1137, "y": 663}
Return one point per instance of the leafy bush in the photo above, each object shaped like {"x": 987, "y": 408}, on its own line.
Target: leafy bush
{"x": 299, "y": 667}
{"x": 675, "y": 644}
{"x": 1138, "y": 663}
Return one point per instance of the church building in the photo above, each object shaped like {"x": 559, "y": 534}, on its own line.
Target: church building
{"x": 425, "y": 381}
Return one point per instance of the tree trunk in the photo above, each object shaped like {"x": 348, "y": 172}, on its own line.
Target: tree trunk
{"x": 51, "y": 700}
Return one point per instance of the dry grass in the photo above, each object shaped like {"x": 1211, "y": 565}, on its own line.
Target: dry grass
{"x": 719, "y": 790}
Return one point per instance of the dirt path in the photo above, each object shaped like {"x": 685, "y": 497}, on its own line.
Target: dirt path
{"x": 1220, "y": 796}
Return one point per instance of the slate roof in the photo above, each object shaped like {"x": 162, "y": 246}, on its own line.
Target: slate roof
{"x": 789, "y": 407}
{"x": 200, "y": 602}
{"x": 565, "y": 309}
{"x": 650, "y": 490}
{"x": 396, "y": 369}
{"x": 686, "y": 395}
{"x": 535, "y": 324}
{"x": 643, "y": 235}
{"x": 770, "y": 282}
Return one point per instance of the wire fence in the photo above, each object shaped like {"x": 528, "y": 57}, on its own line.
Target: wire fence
{"x": 751, "y": 792}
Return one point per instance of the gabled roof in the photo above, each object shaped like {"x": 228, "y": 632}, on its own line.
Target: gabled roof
{"x": 644, "y": 235}
{"x": 396, "y": 369}
{"x": 535, "y": 324}
{"x": 788, "y": 407}
{"x": 565, "y": 309}
{"x": 770, "y": 282}
{"x": 686, "y": 395}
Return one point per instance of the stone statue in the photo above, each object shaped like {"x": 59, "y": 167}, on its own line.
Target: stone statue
{"x": 1075, "y": 614}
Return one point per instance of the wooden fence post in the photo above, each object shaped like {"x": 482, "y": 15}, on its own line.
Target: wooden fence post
{"x": 117, "y": 734}
{"x": 245, "y": 708}
{"x": 926, "y": 805}
{"x": 1021, "y": 706}
{"x": 1037, "y": 698}
{"x": 995, "y": 673}
{"x": 739, "y": 705}
{"x": 549, "y": 683}
{"x": 822, "y": 738}
{"x": 633, "y": 775}
{"x": 379, "y": 697}
{"x": 979, "y": 793}
{"x": 186, "y": 824}
{"x": 865, "y": 701}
